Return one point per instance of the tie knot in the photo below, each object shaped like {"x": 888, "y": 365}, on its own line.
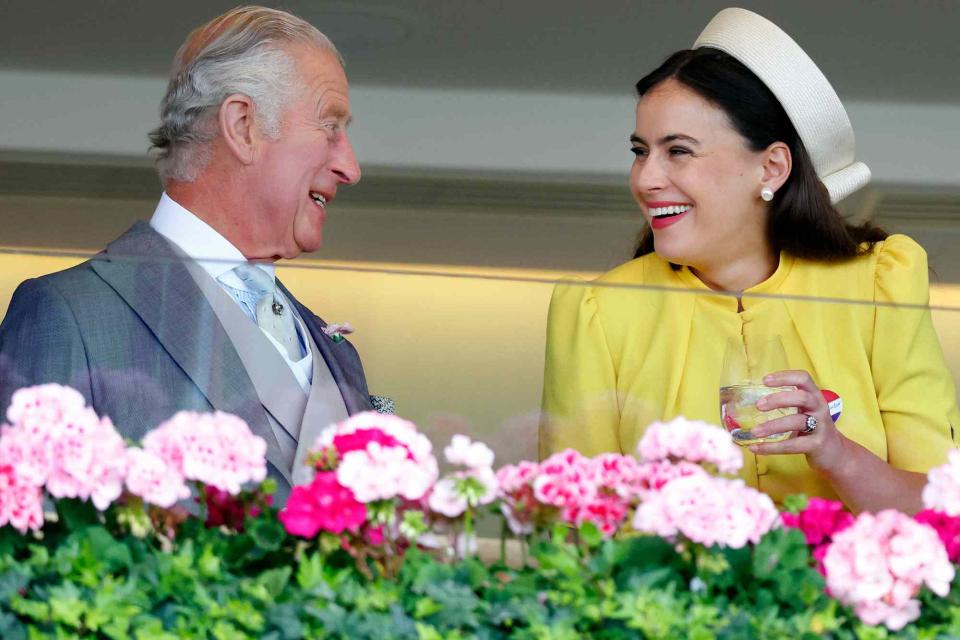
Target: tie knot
{"x": 255, "y": 278}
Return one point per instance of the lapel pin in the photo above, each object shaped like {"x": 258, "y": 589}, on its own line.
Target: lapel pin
{"x": 336, "y": 331}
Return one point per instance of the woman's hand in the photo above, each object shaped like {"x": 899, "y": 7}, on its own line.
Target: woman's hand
{"x": 824, "y": 446}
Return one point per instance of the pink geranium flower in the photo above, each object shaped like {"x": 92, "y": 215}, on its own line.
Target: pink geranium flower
{"x": 21, "y": 502}
{"x": 57, "y": 443}
{"x": 942, "y": 492}
{"x": 652, "y": 476}
{"x": 35, "y": 408}
{"x": 565, "y": 480}
{"x": 450, "y": 498}
{"x": 690, "y": 440}
{"x": 465, "y": 452}
{"x": 518, "y": 504}
{"x": 380, "y": 456}
{"x": 323, "y": 505}
{"x": 709, "y": 511}
{"x": 879, "y": 563}
{"x": 151, "y": 479}
{"x": 217, "y": 449}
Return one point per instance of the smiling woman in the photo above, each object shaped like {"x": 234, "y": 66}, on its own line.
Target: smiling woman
{"x": 740, "y": 157}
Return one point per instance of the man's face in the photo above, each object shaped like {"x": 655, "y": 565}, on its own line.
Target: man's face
{"x": 295, "y": 177}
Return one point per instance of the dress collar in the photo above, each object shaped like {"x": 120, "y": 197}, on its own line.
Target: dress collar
{"x": 751, "y": 297}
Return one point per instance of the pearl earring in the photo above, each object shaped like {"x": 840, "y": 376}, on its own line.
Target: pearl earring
{"x": 766, "y": 194}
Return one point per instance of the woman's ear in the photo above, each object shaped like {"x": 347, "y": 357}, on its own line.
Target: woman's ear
{"x": 777, "y": 163}
{"x": 237, "y": 128}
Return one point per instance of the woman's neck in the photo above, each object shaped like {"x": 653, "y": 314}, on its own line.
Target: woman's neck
{"x": 735, "y": 276}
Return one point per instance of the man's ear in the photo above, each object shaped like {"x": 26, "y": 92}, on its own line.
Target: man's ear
{"x": 777, "y": 163}
{"x": 237, "y": 127}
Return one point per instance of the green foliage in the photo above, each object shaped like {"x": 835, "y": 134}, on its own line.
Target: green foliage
{"x": 94, "y": 582}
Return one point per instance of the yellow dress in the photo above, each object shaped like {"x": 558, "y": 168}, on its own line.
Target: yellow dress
{"x": 620, "y": 357}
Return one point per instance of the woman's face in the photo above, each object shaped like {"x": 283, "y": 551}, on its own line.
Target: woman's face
{"x": 697, "y": 182}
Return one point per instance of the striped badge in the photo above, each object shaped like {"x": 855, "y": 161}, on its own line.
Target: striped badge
{"x": 834, "y": 403}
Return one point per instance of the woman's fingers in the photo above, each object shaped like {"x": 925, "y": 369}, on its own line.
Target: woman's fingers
{"x": 799, "y": 398}
{"x": 791, "y": 378}
{"x": 792, "y": 445}
{"x": 794, "y": 422}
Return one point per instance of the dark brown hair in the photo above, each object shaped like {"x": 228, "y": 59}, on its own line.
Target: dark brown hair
{"x": 802, "y": 221}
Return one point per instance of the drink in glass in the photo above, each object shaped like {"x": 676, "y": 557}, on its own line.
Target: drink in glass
{"x": 739, "y": 413}
{"x": 744, "y": 366}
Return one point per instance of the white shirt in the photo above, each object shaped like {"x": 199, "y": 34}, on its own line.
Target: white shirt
{"x": 218, "y": 257}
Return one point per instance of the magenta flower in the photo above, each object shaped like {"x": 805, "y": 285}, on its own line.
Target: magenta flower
{"x": 820, "y": 521}
{"x": 947, "y": 527}
{"x": 382, "y": 457}
{"x": 322, "y": 505}
{"x": 358, "y": 440}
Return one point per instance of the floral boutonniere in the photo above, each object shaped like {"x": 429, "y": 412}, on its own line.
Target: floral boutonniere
{"x": 337, "y": 331}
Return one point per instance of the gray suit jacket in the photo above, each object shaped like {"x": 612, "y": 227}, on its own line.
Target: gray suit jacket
{"x": 132, "y": 332}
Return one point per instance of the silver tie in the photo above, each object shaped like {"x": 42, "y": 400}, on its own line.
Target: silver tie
{"x": 273, "y": 316}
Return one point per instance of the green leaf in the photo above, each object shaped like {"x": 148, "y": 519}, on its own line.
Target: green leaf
{"x": 275, "y": 580}
{"x": 115, "y": 555}
{"x": 267, "y": 534}
{"x": 590, "y": 534}
{"x": 208, "y": 563}
{"x": 795, "y": 503}
{"x": 11, "y": 628}
{"x": 66, "y": 605}
{"x": 76, "y": 514}
{"x": 310, "y": 572}
{"x": 428, "y": 632}
{"x": 38, "y": 611}
{"x": 425, "y": 607}
{"x": 12, "y": 581}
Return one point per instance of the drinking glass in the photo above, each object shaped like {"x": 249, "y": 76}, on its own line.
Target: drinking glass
{"x": 741, "y": 385}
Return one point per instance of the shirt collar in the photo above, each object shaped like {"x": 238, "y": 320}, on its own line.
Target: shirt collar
{"x": 214, "y": 253}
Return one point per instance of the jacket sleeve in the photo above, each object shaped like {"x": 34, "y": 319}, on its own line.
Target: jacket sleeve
{"x": 580, "y": 408}
{"x": 915, "y": 390}
{"x": 40, "y": 342}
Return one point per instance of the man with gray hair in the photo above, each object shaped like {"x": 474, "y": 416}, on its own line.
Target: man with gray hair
{"x": 186, "y": 313}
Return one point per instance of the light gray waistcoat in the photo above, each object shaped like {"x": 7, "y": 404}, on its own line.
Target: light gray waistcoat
{"x": 295, "y": 417}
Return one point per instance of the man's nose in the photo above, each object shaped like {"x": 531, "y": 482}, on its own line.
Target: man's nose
{"x": 345, "y": 161}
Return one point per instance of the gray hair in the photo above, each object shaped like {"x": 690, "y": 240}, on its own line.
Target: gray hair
{"x": 238, "y": 52}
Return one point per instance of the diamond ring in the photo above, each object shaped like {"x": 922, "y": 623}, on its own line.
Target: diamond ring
{"x": 811, "y": 426}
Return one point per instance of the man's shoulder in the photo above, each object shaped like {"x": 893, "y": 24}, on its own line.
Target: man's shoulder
{"x": 79, "y": 279}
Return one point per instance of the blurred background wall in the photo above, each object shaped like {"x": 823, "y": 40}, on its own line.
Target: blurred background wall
{"x": 493, "y": 138}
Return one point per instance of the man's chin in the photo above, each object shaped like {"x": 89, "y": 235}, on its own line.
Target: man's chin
{"x": 308, "y": 245}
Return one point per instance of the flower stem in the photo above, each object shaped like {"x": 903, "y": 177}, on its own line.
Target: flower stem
{"x": 467, "y": 529}
{"x": 503, "y": 542}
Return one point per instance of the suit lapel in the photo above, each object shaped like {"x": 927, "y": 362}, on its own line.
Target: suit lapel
{"x": 149, "y": 274}
{"x": 341, "y": 359}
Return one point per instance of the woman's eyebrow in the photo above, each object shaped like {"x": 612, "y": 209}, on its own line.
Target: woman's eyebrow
{"x": 678, "y": 136}
{"x": 673, "y": 137}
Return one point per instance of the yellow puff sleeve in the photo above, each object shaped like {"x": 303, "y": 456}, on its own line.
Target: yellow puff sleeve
{"x": 580, "y": 408}
{"x": 914, "y": 389}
